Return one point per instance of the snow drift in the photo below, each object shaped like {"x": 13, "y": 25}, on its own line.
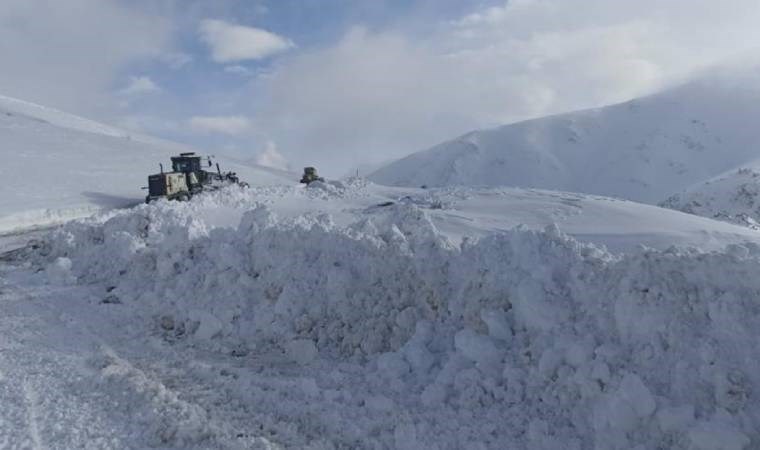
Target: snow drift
{"x": 519, "y": 339}
{"x": 642, "y": 150}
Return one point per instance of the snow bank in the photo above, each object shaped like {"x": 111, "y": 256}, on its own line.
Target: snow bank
{"x": 521, "y": 339}
{"x": 42, "y": 218}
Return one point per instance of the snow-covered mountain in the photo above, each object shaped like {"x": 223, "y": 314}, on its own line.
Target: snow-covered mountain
{"x": 644, "y": 150}
{"x": 57, "y": 166}
{"x": 732, "y": 197}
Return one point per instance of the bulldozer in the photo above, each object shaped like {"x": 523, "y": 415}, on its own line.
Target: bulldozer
{"x": 187, "y": 178}
{"x": 309, "y": 175}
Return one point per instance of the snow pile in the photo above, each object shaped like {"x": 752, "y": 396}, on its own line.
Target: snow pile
{"x": 328, "y": 189}
{"x": 732, "y": 197}
{"x": 520, "y": 339}
{"x": 642, "y": 150}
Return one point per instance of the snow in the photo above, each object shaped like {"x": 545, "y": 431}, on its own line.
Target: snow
{"x": 57, "y": 166}
{"x": 732, "y": 197}
{"x": 42, "y": 114}
{"x": 617, "y": 224}
{"x": 644, "y": 150}
{"x": 347, "y": 314}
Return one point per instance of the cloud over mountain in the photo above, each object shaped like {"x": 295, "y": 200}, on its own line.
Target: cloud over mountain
{"x": 230, "y": 43}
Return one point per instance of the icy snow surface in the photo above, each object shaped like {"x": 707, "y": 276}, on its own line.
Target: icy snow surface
{"x": 56, "y": 166}
{"x": 348, "y": 315}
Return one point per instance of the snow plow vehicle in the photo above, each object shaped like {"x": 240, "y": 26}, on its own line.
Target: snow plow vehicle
{"x": 309, "y": 175}
{"x": 187, "y": 178}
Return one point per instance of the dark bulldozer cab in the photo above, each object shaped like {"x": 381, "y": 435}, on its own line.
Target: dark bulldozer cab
{"x": 309, "y": 175}
{"x": 190, "y": 165}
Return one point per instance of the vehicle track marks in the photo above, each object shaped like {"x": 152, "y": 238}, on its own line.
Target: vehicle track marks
{"x": 31, "y": 401}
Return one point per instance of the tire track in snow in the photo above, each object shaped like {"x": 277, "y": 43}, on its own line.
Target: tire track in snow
{"x": 171, "y": 420}
{"x": 31, "y": 401}
{"x": 47, "y": 397}
{"x": 90, "y": 384}
{"x": 175, "y": 412}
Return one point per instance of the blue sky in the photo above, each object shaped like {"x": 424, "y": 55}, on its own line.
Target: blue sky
{"x": 308, "y": 24}
{"x": 341, "y": 83}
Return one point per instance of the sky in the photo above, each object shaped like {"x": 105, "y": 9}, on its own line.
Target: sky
{"x": 342, "y": 84}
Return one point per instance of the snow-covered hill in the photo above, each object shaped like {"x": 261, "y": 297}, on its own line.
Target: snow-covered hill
{"x": 643, "y": 150}
{"x": 732, "y": 197}
{"x": 57, "y": 166}
{"x": 349, "y": 315}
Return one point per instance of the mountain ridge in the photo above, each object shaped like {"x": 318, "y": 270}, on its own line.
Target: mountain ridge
{"x": 643, "y": 149}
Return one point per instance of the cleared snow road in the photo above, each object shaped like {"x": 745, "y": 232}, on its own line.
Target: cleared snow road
{"x": 49, "y": 393}
{"x": 76, "y": 373}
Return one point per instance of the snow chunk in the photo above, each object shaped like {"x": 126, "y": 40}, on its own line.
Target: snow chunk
{"x": 622, "y": 409}
{"x": 302, "y": 351}
{"x": 60, "y": 271}
{"x": 637, "y": 395}
{"x": 675, "y": 418}
{"x": 392, "y": 365}
{"x": 380, "y": 403}
{"x": 405, "y": 436}
{"x": 498, "y": 326}
{"x": 479, "y": 349}
{"x": 208, "y": 325}
{"x": 716, "y": 435}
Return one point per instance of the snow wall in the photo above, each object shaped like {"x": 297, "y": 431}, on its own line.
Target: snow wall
{"x": 522, "y": 339}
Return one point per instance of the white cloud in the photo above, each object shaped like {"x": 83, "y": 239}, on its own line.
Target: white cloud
{"x": 66, "y": 54}
{"x": 487, "y": 16}
{"x": 238, "y": 70}
{"x": 229, "y": 42}
{"x": 230, "y": 125}
{"x": 140, "y": 85}
{"x": 177, "y": 60}
{"x": 381, "y": 94}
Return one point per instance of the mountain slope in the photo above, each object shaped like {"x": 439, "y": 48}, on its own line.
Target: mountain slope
{"x": 57, "y": 166}
{"x": 732, "y": 197}
{"x": 642, "y": 150}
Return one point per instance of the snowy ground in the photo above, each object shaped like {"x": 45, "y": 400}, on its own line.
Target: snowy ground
{"x": 78, "y": 373}
{"x": 347, "y": 315}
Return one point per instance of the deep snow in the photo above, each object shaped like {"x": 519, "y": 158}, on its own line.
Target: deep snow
{"x": 346, "y": 315}
{"x": 645, "y": 150}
